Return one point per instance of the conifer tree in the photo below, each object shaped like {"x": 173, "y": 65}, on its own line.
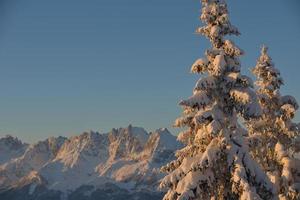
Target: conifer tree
{"x": 273, "y": 135}
{"x": 216, "y": 163}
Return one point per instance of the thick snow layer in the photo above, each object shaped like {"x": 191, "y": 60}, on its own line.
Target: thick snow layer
{"x": 241, "y": 95}
{"x": 199, "y": 66}
{"x": 232, "y": 49}
{"x": 219, "y": 64}
{"x": 199, "y": 99}
{"x": 289, "y": 100}
{"x": 288, "y": 110}
{"x": 206, "y": 83}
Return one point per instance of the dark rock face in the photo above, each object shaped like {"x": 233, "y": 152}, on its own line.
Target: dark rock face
{"x": 86, "y": 192}
{"x": 112, "y": 192}
{"x": 41, "y": 193}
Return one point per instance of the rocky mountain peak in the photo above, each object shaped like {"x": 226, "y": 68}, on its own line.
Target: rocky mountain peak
{"x": 11, "y": 148}
{"x": 127, "y": 157}
{"x": 11, "y": 143}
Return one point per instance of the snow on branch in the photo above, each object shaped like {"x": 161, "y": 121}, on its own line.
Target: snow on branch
{"x": 241, "y": 95}
{"x": 210, "y": 119}
{"x": 184, "y": 136}
{"x": 288, "y": 111}
{"x": 198, "y": 100}
{"x": 209, "y": 156}
{"x": 203, "y": 117}
{"x": 237, "y": 80}
{"x": 183, "y": 121}
{"x": 245, "y": 81}
{"x": 289, "y": 100}
{"x": 214, "y": 127}
{"x": 205, "y": 83}
{"x": 191, "y": 181}
{"x": 219, "y": 65}
{"x": 245, "y": 172}
{"x": 231, "y": 49}
{"x": 200, "y": 66}
{"x": 252, "y": 110}
{"x": 287, "y": 164}
{"x": 194, "y": 172}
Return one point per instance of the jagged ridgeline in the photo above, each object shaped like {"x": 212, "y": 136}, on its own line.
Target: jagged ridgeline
{"x": 215, "y": 163}
{"x": 121, "y": 164}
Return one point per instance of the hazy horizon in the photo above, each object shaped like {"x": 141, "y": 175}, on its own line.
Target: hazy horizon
{"x": 71, "y": 66}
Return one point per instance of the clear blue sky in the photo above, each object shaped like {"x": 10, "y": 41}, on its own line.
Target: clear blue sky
{"x": 72, "y": 65}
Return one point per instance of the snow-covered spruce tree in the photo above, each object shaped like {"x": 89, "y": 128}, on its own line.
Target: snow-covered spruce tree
{"x": 273, "y": 134}
{"x": 216, "y": 164}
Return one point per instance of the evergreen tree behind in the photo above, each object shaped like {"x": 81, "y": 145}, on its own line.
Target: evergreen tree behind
{"x": 273, "y": 135}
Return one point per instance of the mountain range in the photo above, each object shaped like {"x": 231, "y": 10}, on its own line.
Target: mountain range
{"x": 122, "y": 164}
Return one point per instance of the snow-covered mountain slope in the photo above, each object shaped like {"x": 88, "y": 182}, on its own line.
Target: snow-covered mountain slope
{"x": 11, "y": 148}
{"x": 33, "y": 159}
{"x": 127, "y": 159}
